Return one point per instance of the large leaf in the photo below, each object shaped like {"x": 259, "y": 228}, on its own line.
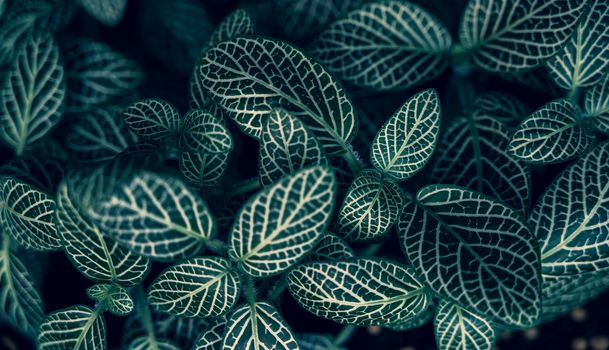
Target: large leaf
{"x": 286, "y": 146}
{"x": 516, "y": 35}
{"x": 115, "y": 297}
{"x": 258, "y": 327}
{"x": 249, "y": 77}
{"x": 74, "y": 328}
{"x": 153, "y": 119}
{"x": 475, "y": 252}
{"x": 596, "y": 105}
{"x": 385, "y": 45}
{"x": 459, "y": 329}
{"x": 32, "y": 94}
{"x": 156, "y": 216}
{"x": 108, "y": 12}
{"x": 406, "y": 141}
{"x": 371, "y": 206}
{"x": 203, "y": 169}
{"x": 198, "y": 287}
{"x": 212, "y": 337}
{"x": 473, "y": 153}
{"x": 584, "y": 59}
{"x": 361, "y": 291}
{"x": 26, "y": 213}
{"x": 202, "y": 132}
{"x": 554, "y": 133}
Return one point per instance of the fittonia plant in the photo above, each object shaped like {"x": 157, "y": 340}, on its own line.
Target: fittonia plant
{"x": 145, "y": 190}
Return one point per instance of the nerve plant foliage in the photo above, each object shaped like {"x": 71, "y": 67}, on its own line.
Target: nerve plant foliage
{"x": 128, "y": 181}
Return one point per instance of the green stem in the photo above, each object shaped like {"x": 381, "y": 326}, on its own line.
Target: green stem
{"x": 344, "y": 335}
{"x": 352, "y": 162}
{"x": 141, "y": 302}
{"x": 243, "y": 187}
{"x": 250, "y": 291}
{"x": 216, "y": 246}
{"x": 573, "y": 94}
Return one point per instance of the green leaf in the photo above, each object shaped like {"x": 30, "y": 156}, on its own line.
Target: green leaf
{"x": 212, "y": 337}
{"x": 473, "y": 154}
{"x": 386, "y": 45}
{"x": 422, "y": 319}
{"x": 27, "y": 215}
{"x": 32, "y": 94}
{"x": 286, "y": 146}
{"x": 330, "y": 247}
{"x": 153, "y": 119}
{"x": 202, "y": 132}
{"x": 96, "y": 256}
{"x": 282, "y": 223}
{"x": 74, "y": 328}
{"x": 596, "y": 106}
{"x": 145, "y": 343}
{"x": 303, "y": 19}
{"x": 459, "y": 329}
{"x": 108, "y": 12}
{"x": 258, "y": 326}
{"x": 316, "y": 342}
{"x": 360, "y": 291}
{"x": 249, "y": 93}
{"x": 516, "y": 35}
{"x": 203, "y": 169}
{"x": 41, "y": 170}
{"x": 198, "y": 287}
{"x": 115, "y": 297}
{"x": 20, "y": 300}
{"x": 371, "y": 207}
{"x": 553, "y": 133}
{"x": 475, "y": 252}
{"x": 156, "y": 216}
{"x": 570, "y": 219}
{"x": 503, "y": 107}
{"x": 406, "y": 141}
{"x": 584, "y": 59}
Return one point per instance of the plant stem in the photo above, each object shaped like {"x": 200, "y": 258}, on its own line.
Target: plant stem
{"x": 216, "y": 245}
{"x": 352, "y": 162}
{"x": 243, "y": 187}
{"x": 344, "y": 335}
{"x": 250, "y": 291}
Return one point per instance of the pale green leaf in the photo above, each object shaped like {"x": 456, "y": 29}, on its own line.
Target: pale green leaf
{"x": 74, "y": 328}
{"x": 203, "y": 169}
{"x": 596, "y": 106}
{"x": 153, "y": 119}
{"x": 458, "y": 329}
{"x": 202, "y": 132}
{"x": 115, "y": 298}
{"x": 212, "y": 337}
{"x": 282, "y": 223}
{"x": 330, "y": 247}
{"x": 108, "y": 12}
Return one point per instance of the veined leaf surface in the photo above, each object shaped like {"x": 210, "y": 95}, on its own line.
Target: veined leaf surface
{"x": 282, "y": 223}
{"x": 330, "y": 247}
{"x": 360, "y": 291}
{"x": 309, "y": 341}
{"x": 459, "y": 329}
{"x": 249, "y": 77}
{"x": 77, "y": 328}
{"x": 510, "y": 36}
{"x": 202, "y": 132}
{"x": 596, "y": 105}
{"x": 474, "y": 251}
{"x": 503, "y": 107}
{"x": 385, "y": 45}
{"x": 258, "y": 327}
{"x": 406, "y": 141}
{"x": 197, "y": 287}
{"x": 146, "y": 343}
{"x": 108, "y": 12}
{"x": 153, "y": 119}
{"x": 115, "y": 297}
{"x": 43, "y": 171}
{"x": 212, "y": 337}
{"x": 303, "y": 19}
{"x": 371, "y": 206}
{"x": 203, "y": 169}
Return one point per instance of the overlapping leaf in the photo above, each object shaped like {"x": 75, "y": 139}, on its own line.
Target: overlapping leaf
{"x": 316, "y": 342}
{"x": 596, "y": 105}
{"x": 385, "y": 45}
{"x": 108, "y": 12}
{"x": 509, "y": 36}
{"x": 249, "y": 77}
{"x": 459, "y": 329}
{"x": 330, "y": 247}
{"x": 202, "y": 132}
{"x": 42, "y": 170}
{"x": 203, "y": 169}
{"x": 77, "y": 327}
{"x": 115, "y": 298}
{"x": 212, "y": 337}
{"x": 475, "y": 252}
{"x": 146, "y": 343}
{"x": 153, "y": 119}
{"x": 282, "y": 223}
{"x": 503, "y": 107}
{"x": 302, "y": 19}
{"x": 362, "y": 292}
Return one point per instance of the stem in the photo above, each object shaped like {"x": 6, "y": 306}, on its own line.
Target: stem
{"x": 352, "y": 162}
{"x": 344, "y": 335}
{"x": 573, "y": 94}
{"x": 250, "y": 291}
{"x": 141, "y": 302}
{"x": 216, "y": 246}
{"x": 372, "y": 250}
{"x": 243, "y": 187}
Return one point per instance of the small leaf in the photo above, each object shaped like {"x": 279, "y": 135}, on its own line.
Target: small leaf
{"x": 361, "y": 291}
{"x": 153, "y": 119}
{"x": 282, "y": 223}
{"x": 286, "y": 146}
{"x": 258, "y": 326}
{"x": 303, "y": 19}
{"x": 459, "y": 329}
{"x": 212, "y": 337}
{"x": 385, "y": 45}
{"x": 108, "y": 12}
{"x": 115, "y": 297}
{"x": 77, "y": 327}
{"x": 203, "y": 169}
{"x": 316, "y": 342}
{"x": 502, "y": 107}
{"x": 330, "y": 247}
{"x": 406, "y": 141}
{"x": 202, "y": 132}
{"x": 145, "y": 343}
{"x": 371, "y": 207}
{"x": 553, "y": 133}
{"x": 596, "y": 106}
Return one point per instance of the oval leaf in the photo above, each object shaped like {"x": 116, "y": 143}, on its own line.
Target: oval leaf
{"x": 153, "y": 119}
{"x": 596, "y": 105}
{"x": 202, "y": 132}
{"x": 115, "y": 297}
{"x": 77, "y": 327}
{"x": 330, "y": 247}
{"x": 203, "y": 169}
{"x": 459, "y": 329}
{"x": 212, "y": 337}
{"x": 108, "y": 12}
{"x": 502, "y": 107}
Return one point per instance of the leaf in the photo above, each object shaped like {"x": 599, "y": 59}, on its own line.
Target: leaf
{"x": 422, "y": 319}
{"x": 258, "y": 326}
{"x": 371, "y": 207}
{"x": 197, "y": 287}
{"x": 475, "y": 252}
{"x": 406, "y": 141}
{"x": 212, "y": 337}
{"x": 303, "y": 19}
{"x": 562, "y": 293}
{"x": 32, "y": 94}
{"x": 596, "y": 106}
{"x": 511, "y": 36}
{"x": 145, "y": 343}
{"x": 553, "y": 133}
{"x": 330, "y": 247}
{"x": 584, "y": 59}
{"x": 360, "y": 291}
{"x": 27, "y": 215}
{"x": 387, "y": 45}
{"x": 77, "y": 327}
{"x": 280, "y": 224}
{"x": 20, "y": 300}
{"x": 203, "y": 132}
{"x": 108, "y": 12}
{"x": 459, "y": 329}
{"x": 153, "y": 119}
{"x": 97, "y": 257}
{"x": 289, "y": 80}
{"x": 473, "y": 153}
{"x": 310, "y": 341}
{"x": 43, "y": 171}
{"x": 115, "y": 297}
{"x": 502, "y": 107}
{"x": 155, "y": 216}
{"x": 96, "y": 74}
{"x": 570, "y": 219}
{"x": 203, "y": 169}
{"x": 99, "y": 135}
{"x": 286, "y": 146}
